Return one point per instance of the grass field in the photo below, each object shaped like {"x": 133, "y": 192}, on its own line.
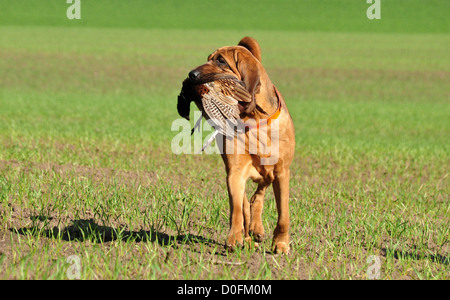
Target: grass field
{"x": 86, "y": 167}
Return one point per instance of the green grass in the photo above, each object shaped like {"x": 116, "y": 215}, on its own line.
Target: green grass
{"x": 86, "y": 167}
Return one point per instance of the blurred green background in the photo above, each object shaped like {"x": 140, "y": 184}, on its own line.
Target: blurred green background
{"x": 414, "y": 16}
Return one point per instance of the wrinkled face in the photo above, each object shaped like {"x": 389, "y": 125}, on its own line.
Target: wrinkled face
{"x": 241, "y": 62}
{"x": 230, "y": 62}
{"x": 221, "y": 64}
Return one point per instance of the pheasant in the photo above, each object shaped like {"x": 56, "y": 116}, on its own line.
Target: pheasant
{"x": 219, "y": 102}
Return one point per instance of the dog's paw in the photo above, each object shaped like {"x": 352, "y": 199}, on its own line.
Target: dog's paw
{"x": 230, "y": 248}
{"x": 257, "y": 232}
{"x": 234, "y": 240}
{"x": 250, "y": 243}
{"x": 258, "y": 237}
{"x": 233, "y": 247}
{"x": 281, "y": 248}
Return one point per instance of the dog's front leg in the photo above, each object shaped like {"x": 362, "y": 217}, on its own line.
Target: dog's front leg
{"x": 236, "y": 190}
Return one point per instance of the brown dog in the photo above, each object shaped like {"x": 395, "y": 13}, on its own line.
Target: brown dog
{"x": 265, "y": 106}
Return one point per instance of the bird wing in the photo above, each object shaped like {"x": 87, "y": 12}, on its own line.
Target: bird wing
{"x": 230, "y": 88}
{"x": 219, "y": 103}
{"x": 222, "y": 115}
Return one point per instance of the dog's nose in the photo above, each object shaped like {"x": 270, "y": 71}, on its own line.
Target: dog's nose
{"x": 194, "y": 74}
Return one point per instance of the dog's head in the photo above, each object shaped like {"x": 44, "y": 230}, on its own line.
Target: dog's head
{"x": 241, "y": 62}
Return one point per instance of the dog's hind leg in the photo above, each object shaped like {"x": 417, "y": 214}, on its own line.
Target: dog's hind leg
{"x": 256, "y": 208}
{"x": 246, "y": 210}
{"x": 280, "y": 243}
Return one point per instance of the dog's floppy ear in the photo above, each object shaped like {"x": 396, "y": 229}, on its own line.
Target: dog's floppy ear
{"x": 252, "y": 45}
{"x": 249, "y": 70}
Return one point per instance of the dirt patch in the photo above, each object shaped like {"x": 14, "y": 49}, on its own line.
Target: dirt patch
{"x": 97, "y": 174}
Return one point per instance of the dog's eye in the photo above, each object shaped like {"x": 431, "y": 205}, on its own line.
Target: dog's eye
{"x": 222, "y": 61}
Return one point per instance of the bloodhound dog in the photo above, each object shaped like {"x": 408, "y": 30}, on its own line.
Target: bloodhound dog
{"x": 265, "y": 107}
